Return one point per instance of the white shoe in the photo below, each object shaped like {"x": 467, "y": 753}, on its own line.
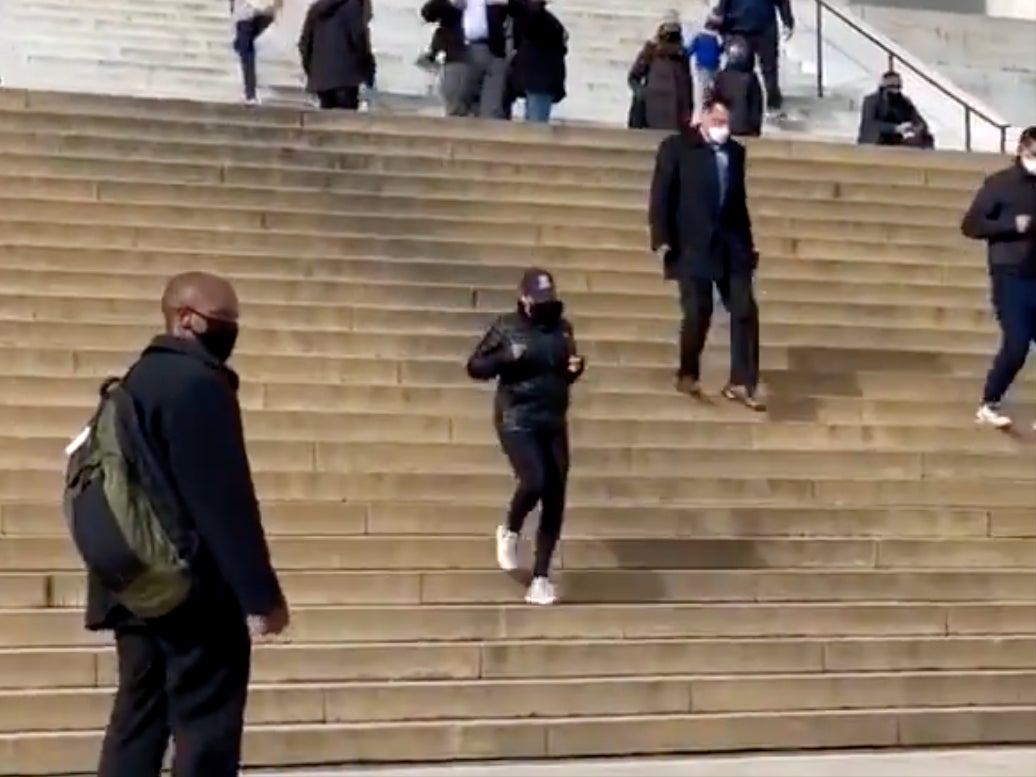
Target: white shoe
{"x": 506, "y": 549}
{"x": 253, "y": 102}
{"x": 990, "y": 415}
{"x": 541, "y": 591}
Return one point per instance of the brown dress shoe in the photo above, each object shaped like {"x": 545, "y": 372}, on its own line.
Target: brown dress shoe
{"x": 685, "y": 384}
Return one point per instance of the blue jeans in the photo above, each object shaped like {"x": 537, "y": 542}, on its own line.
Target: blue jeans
{"x": 537, "y": 107}
{"x": 1014, "y": 300}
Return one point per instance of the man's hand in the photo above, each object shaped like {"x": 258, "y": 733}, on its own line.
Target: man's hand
{"x": 575, "y": 364}
{"x": 1022, "y": 223}
{"x": 787, "y": 32}
{"x": 905, "y": 128}
{"x": 517, "y": 351}
{"x": 662, "y": 252}
{"x": 271, "y": 624}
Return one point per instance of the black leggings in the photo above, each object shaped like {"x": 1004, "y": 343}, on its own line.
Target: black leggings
{"x": 540, "y": 463}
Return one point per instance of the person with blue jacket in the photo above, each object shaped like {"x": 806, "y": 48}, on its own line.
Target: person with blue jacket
{"x": 705, "y": 50}
{"x": 756, "y": 22}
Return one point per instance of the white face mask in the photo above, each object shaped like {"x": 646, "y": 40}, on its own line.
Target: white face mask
{"x": 1029, "y": 163}
{"x": 719, "y": 135}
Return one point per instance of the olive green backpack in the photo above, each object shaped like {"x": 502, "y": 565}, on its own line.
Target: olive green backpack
{"x": 123, "y": 514}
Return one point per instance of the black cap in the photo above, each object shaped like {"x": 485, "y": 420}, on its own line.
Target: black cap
{"x": 538, "y": 286}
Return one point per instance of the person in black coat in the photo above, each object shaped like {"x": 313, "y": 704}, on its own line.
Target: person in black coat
{"x": 740, "y": 86}
{"x": 701, "y": 230}
{"x": 532, "y": 354}
{"x": 336, "y": 52}
{"x": 756, "y": 22}
{"x": 889, "y": 118}
{"x": 186, "y": 673}
{"x": 1003, "y": 214}
{"x": 541, "y": 45}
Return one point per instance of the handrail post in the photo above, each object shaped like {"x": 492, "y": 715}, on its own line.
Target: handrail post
{"x": 1003, "y": 140}
{"x": 967, "y": 127}
{"x": 820, "y": 48}
{"x": 891, "y": 61}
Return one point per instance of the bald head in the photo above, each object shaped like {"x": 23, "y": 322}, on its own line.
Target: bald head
{"x": 200, "y": 306}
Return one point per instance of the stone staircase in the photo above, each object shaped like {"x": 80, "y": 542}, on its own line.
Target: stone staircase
{"x": 183, "y": 51}
{"x": 854, "y": 569}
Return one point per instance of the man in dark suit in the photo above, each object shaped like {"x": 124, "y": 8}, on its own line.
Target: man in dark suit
{"x": 701, "y": 230}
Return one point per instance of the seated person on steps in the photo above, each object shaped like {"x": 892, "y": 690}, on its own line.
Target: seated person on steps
{"x": 890, "y": 118}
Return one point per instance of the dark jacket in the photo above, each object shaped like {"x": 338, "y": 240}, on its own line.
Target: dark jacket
{"x": 991, "y": 217}
{"x": 450, "y": 17}
{"x": 745, "y": 94}
{"x": 335, "y": 46}
{"x": 753, "y": 17}
{"x": 541, "y": 44}
{"x": 881, "y": 115}
{"x": 706, "y": 240}
{"x": 189, "y": 410}
{"x": 532, "y": 391}
{"x": 661, "y": 77}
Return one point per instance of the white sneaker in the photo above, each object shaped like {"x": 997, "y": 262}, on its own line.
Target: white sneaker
{"x": 506, "y": 549}
{"x": 253, "y": 102}
{"x": 541, "y": 591}
{"x": 990, "y": 415}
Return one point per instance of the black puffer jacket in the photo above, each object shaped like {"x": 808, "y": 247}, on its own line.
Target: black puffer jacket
{"x": 533, "y": 386}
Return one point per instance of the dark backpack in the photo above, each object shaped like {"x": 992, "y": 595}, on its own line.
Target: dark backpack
{"x": 125, "y": 519}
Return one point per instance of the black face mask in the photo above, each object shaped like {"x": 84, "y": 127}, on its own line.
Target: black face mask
{"x": 672, "y": 37}
{"x": 545, "y": 314}
{"x": 219, "y": 338}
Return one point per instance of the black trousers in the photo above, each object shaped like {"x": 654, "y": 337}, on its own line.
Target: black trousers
{"x": 766, "y": 46}
{"x": 696, "y": 305}
{"x": 344, "y": 98}
{"x": 247, "y": 32}
{"x": 540, "y": 464}
{"x": 1014, "y": 300}
{"x": 184, "y": 675}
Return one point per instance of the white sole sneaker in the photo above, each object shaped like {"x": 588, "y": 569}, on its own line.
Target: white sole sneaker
{"x": 541, "y": 592}
{"x": 506, "y": 549}
{"x": 989, "y": 415}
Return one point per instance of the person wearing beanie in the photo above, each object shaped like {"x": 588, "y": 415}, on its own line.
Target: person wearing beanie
{"x": 532, "y": 355}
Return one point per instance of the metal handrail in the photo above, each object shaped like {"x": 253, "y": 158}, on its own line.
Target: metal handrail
{"x": 893, "y": 57}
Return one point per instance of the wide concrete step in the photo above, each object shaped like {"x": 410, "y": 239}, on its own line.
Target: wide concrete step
{"x": 136, "y": 113}
{"x": 33, "y": 590}
{"x": 620, "y": 460}
{"x": 688, "y": 490}
{"x": 467, "y": 553}
{"x": 501, "y": 228}
{"x": 38, "y": 431}
{"x": 768, "y": 199}
{"x": 49, "y": 265}
{"x": 90, "y": 666}
{"x": 380, "y": 151}
{"x": 785, "y": 343}
{"x": 269, "y": 745}
{"x": 495, "y": 247}
{"x": 300, "y": 518}
{"x": 71, "y": 172}
{"x": 396, "y": 306}
{"x": 425, "y": 622}
{"x": 83, "y": 709}
{"x": 602, "y": 520}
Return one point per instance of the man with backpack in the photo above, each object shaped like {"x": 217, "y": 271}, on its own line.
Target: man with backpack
{"x": 161, "y": 504}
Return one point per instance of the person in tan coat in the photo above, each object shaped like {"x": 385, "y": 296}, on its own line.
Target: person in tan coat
{"x": 660, "y": 79}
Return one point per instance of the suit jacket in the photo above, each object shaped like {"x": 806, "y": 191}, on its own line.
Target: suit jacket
{"x": 706, "y": 240}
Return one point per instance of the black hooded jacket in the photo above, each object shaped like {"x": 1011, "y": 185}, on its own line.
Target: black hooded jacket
{"x": 335, "y": 46}
{"x": 530, "y": 364}
{"x": 190, "y": 414}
